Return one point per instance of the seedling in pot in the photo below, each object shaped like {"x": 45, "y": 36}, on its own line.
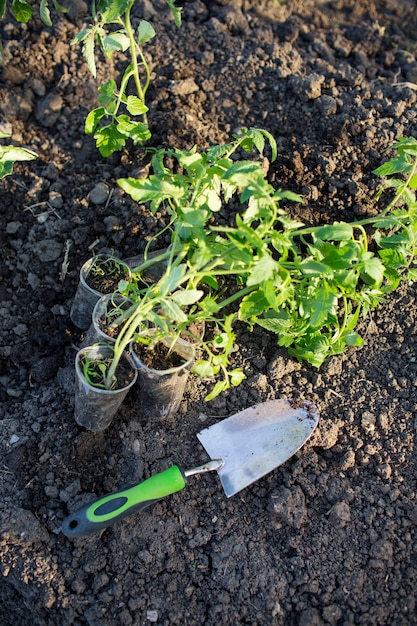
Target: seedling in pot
{"x": 95, "y": 372}
{"x": 105, "y": 273}
{"x": 99, "y": 275}
{"x": 96, "y": 403}
{"x": 310, "y": 286}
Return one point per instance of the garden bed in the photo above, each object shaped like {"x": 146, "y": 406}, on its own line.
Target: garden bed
{"x": 329, "y": 537}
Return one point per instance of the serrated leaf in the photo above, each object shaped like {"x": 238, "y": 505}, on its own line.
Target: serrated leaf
{"x": 339, "y": 231}
{"x": 253, "y": 305}
{"x": 93, "y": 119}
{"x": 176, "y": 12}
{"x": 150, "y": 189}
{"x": 115, "y": 9}
{"x": 109, "y": 140}
{"x": 372, "y": 271}
{"x": 22, "y": 10}
{"x": 276, "y": 323}
{"x": 394, "y": 166}
{"x": 412, "y": 274}
{"x": 44, "y": 13}
{"x": 88, "y": 52}
{"x": 135, "y": 105}
{"x": 263, "y": 270}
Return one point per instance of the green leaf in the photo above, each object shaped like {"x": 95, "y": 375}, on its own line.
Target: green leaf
{"x": 412, "y": 274}
{"x": 263, "y": 270}
{"x": 186, "y": 297}
{"x": 338, "y": 257}
{"x": 115, "y": 41}
{"x": 339, "y": 231}
{"x": 218, "y": 388}
{"x": 309, "y": 267}
{"x": 139, "y": 133}
{"x": 109, "y": 140}
{"x": 253, "y": 305}
{"x": 171, "y": 280}
{"x": 146, "y": 32}
{"x": 172, "y": 311}
{"x": 209, "y": 304}
{"x": 176, "y": 11}
{"x": 44, "y": 13}
{"x": 372, "y": 272}
{"x": 196, "y": 218}
{"x": 2, "y": 9}
{"x": 151, "y": 188}
{"x": 324, "y": 302}
{"x": 353, "y": 339}
{"x": 278, "y": 323}
{"x": 93, "y": 119}
{"x": 314, "y": 350}
{"x": 22, "y": 10}
{"x": 204, "y": 369}
{"x": 113, "y": 9}
{"x": 136, "y": 106}
{"x": 242, "y": 171}
{"x": 211, "y": 199}
{"x": 88, "y": 52}
{"x": 394, "y": 166}
{"x": 6, "y": 168}
{"x": 13, "y": 153}
{"x": 236, "y": 377}
{"x": 107, "y": 93}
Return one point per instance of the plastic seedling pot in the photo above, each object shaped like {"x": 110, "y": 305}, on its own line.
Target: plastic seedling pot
{"x": 86, "y": 295}
{"x": 96, "y": 407}
{"x": 105, "y": 310}
{"x": 161, "y": 389}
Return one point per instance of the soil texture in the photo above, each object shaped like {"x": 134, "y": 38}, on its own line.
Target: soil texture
{"x": 329, "y": 537}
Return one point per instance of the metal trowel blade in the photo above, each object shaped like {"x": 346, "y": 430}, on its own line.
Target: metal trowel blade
{"x": 257, "y": 440}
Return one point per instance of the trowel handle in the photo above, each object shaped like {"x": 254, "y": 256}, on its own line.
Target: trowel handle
{"x": 116, "y": 506}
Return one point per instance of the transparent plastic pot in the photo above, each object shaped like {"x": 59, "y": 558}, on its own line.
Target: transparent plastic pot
{"x": 95, "y": 407}
{"x": 102, "y": 307}
{"x": 86, "y": 297}
{"x": 161, "y": 391}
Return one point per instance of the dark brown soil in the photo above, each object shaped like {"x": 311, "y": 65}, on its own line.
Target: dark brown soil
{"x": 105, "y": 274}
{"x": 330, "y": 536}
{"x": 158, "y": 356}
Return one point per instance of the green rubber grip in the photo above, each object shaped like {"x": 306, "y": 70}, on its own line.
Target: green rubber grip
{"x": 114, "y": 507}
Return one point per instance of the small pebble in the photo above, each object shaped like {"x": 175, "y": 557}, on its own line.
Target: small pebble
{"x": 99, "y": 194}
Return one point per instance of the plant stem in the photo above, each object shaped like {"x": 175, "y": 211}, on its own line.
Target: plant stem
{"x": 133, "y": 54}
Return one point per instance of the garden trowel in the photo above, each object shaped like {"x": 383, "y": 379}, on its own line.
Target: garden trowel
{"x": 243, "y": 448}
